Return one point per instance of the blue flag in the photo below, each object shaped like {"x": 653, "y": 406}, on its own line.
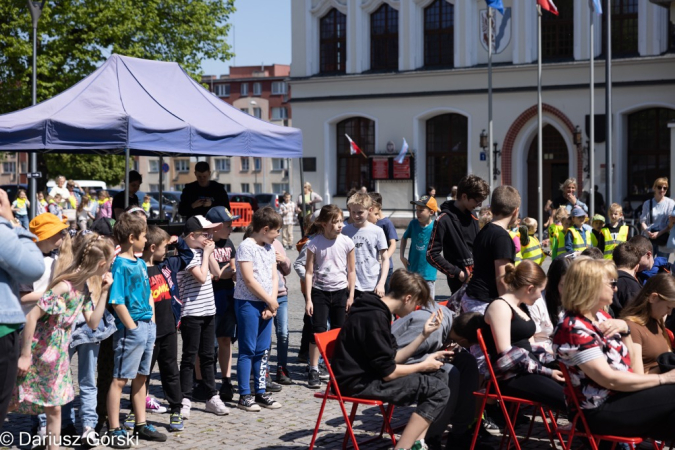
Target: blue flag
{"x": 596, "y": 6}
{"x": 498, "y": 5}
{"x": 401, "y": 155}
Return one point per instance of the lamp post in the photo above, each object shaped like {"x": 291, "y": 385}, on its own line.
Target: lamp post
{"x": 496, "y": 171}
{"x": 483, "y": 142}
{"x": 35, "y": 8}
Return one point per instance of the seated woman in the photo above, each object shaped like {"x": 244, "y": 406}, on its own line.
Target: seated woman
{"x": 645, "y": 317}
{"x": 595, "y": 348}
{"x": 507, "y": 330}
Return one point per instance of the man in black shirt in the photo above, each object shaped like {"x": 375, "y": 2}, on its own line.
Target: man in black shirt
{"x": 201, "y": 195}
{"x": 450, "y": 248}
{"x": 135, "y": 180}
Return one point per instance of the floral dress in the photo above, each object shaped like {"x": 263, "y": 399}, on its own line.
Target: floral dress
{"x": 49, "y": 380}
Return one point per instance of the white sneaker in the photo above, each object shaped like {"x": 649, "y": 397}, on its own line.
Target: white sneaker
{"x": 216, "y": 406}
{"x": 153, "y": 406}
{"x": 90, "y": 438}
{"x": 185, "y": 409}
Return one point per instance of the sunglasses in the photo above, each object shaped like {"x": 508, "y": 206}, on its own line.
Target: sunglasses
{"x": 662, "y": 188}
{"x": 613, "y": 284}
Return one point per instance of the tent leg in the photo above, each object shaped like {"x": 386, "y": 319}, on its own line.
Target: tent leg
{"x": 302, "y": 196}
{"x": 161, "y": 188}
{"x": 126, "y": 177}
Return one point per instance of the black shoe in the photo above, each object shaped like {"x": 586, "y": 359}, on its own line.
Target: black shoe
{"x": 149, "y": 433}
{"x": 247, "y": 403}
{"x": 266, "y": 401}
{"x": 200, "y": 392}
{"x": 69, "y": 431}
{"x": 119, "y": 438}
{"x": 323, "y": 373}
{"x": 227, "y": 390}
{"x": 271, "y": 386}
{"x": 313, "y": 379}
{"x": 282, "y": 376}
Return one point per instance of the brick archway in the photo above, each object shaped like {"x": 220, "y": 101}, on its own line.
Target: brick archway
{"x": 515, "y": 129}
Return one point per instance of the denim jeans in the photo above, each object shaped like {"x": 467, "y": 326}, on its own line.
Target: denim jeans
{"x": 281, "y": 327}
{"x": 87, "y": 355}
{"x": 23, "y": 220}
{"x": 255, "y": 339}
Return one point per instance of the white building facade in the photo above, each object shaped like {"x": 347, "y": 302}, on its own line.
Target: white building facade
{"x": 384, "y": 70}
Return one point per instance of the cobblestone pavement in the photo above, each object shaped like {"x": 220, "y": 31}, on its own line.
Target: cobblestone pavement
{"x": 290, "y": 427}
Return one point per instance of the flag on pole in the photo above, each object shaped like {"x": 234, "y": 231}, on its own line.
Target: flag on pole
{"x": 596, "y": 6}
{"x": 401, "y": 155}
{"x": 548, "y": 5}
{"x": 354, "y": 149}
{"x": 496, "y": 4}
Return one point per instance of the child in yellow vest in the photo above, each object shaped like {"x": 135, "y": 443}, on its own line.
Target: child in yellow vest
{"x": 597, "y": 239}
{"x": 532, "y": 248}
{"x": 615, "y": 231}
{"x": 146, "y": 204}
{"x": 557, "y": 231}
{"x": 577, "y": 239}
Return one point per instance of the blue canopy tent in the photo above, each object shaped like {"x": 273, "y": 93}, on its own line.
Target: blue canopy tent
{"x": 143, "y": 107}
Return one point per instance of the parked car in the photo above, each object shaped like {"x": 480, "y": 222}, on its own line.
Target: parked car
{"x": 244, "y": 198}
{"x": 154, "y": 204}
{"x": 272, "y": 200}
{"x": 11, "y": 190}
{"x": 171, "y": 198}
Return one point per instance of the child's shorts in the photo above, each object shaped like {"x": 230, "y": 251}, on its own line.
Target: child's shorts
{"x": 133, "y": 350}
{"x": 226, "y": 318}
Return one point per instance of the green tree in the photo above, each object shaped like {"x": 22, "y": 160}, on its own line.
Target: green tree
{"x": 107, "y": 168}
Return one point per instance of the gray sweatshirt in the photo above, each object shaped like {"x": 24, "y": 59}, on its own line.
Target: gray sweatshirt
{"x": 407, "y": 328}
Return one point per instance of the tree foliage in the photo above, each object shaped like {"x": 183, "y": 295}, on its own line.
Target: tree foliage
{"x": 107, "y": 168}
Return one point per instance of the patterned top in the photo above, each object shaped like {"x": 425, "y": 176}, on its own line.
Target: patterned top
{"x": 287, "y": 211}
{"x": 577, "y": 340}
{"x": 198, "y": 298}
{"x": 264, "y": 262}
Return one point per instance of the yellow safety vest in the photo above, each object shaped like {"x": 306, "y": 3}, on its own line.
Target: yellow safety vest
{"x": 611, "y": 242}
{"x": 578, "y": 244}
{"x": 519, "y": 255}
{"x": 533, "y": 251}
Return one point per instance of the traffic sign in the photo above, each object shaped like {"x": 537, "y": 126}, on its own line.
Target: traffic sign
{"x": 165, "y": 168}
{"x": 34, "y": 175}
{"x": 483, "y": 156}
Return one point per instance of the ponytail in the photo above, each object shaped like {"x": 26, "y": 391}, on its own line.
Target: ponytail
{"x": 528, "y": 273}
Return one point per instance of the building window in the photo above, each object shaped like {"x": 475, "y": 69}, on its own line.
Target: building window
{"x": 384, "y": 38}
{"x": 354, "y": 170}
{"x": 23, "y": 167}
{"x": 278, "y": 87}
{"x": 182, "y": 165}
{"x": 333, "y": 42}
{"x": 257, "y": 89}
{"x": 557, "y": 33}
{"x": 671, "y": 32}
{"x": 178, "y": 187}
{"x": 222, "y": 90}
{"x": 244, "y": 164}
{"x": 278, "y": 164}
{"x": 279, "y": 113}
{"x": 9, "y": 167}
{"x": 243, "y": 90}
{"x": 245, "y": 188}
{"x": 257, "y": 164}
{"x": 135, "y": 165}
{"x": 257, "y": 112}
{"x": 446, "y": 146}
{"x": 154, "y": 187}
{"x": 228, "y": 187}
{"x": 223, "y": 164}
{"x": 153, "y": 165}
{"x": 280, "y": 188}
{"x": 648, "y": 148}
{"x": 624, "y": 28}
{"x": 257, "y": 188}
{"x": 244, "y": 110}
{"x": 439, "y": 18}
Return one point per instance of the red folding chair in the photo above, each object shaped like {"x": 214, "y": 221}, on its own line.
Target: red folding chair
{"x": 593, "y": 438}
{"x": 492, "y": 391}
{"x": 325, "y": 342}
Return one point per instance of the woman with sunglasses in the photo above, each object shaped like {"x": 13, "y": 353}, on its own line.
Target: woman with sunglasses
{"x": 655, "y": 214}
{"x": 597, "y": 351}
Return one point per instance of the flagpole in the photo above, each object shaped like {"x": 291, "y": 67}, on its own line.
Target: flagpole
{"x": 540, "y": 150}
{"x": 591, "y": 156}
{"x": 490, "y": 137}
{"x": 608, "y": 108}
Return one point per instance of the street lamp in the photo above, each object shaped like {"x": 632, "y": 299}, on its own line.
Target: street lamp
{"x": 35, "y": 8}
{"x": 495, "y": 170}
{"x": 483, "y": 140}
{"x": 577, "y": 136}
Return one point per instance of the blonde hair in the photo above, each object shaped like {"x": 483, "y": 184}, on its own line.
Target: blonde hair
{"x": 583, "y": 281}
{"x": 569, "y": 182}
{"x": 531, "y": 224}
{"x": 615, "y": 207}
{"x": 660, "y": 180}
{"x": 360, "y": 199}
{"x": 560, "y": 214}
{"x": 485, "y": 219}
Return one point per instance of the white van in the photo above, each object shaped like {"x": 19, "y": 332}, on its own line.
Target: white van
{"x": 84, "y": 184}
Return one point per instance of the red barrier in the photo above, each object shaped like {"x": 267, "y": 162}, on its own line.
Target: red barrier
{"x": 245, "y": 213}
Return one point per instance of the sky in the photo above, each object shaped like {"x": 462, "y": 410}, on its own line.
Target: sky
{"x": 261, "y": 34}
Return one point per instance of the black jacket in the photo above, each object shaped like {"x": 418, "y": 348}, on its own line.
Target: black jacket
{"x": 193, "y": 191}
{"x": 365, "y": 349}
{"x": 627, "y": 288}
{"x": 451, "y": 243}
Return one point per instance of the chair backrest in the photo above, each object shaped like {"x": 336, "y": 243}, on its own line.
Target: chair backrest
{"x": 672, "y": 338}
{"x": 325, "y": 342}
{"x": 578, "y": 413}
{"x": 493, "y": 378}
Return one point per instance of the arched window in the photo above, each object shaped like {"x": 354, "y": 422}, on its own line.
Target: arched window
{"x": 354, "y": 170}
{"x": 557, "y": 32}
{"x": 447, "y": 136}
{"x": 648, "y": 148}
{"x": 624, "y": 28}
{"x": 439, "y": 19}
{"x": 555, "y": 167}
{"x": 333, "y": 42}
{"x": 384, "y": 38}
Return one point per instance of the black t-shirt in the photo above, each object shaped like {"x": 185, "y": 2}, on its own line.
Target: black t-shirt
{"x": 118, "y": 201}
{"x": 215, "y": 192}
{"x": 223, "y": 253}
{"x": 492, "y": 243}
{"x": 166, "y": 323}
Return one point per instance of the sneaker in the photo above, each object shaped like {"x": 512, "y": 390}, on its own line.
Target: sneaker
{"x": 419, "y": 445}
{"x": 153, "y": 406}
{"x": 119, "y": 438}
{"x": 176, "y": 422}
{"x": 39, "y": 444}
{"x": 266, "y": 401}
{"x": 185, "y": 409}
{"x": 216, "y": 406}
{"x": 149, "y": 433}
{"x": 247, "y": 403}
{"x": 227, "y": 390}
{"x": 323, "y": 373}
{"x": 200, "y": 393}
{"x": 130, "y": 421}
{"x": 313, "y": 379}
{"x": 282, "y": 376}
{"x": 271, "y": 386}
{"x": 101, "y": 425}
{"x": 90, "y": 438}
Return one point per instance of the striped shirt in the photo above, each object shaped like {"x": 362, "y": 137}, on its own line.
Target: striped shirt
{"x": 198, "y": 300}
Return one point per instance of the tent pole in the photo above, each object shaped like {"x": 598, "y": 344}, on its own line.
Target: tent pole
{"x": 126, "y": 177}
{"x": 302, "y": 195}
{"x": 161, "y": 188}
{"x": 540, "y": 145}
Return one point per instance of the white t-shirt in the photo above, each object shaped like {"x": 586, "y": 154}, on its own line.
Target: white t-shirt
{"x": 264, "y": 262}
{"x": 330, "y": 261}
{"x": 368, "y": 241}
{"x": 198, "y": 300}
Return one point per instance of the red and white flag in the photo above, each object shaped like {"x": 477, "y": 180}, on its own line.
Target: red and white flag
{"x": 548, "y": 5}
{"x": 354, "y": 149}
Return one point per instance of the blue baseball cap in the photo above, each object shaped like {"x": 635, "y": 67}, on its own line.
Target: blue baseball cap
{"x": 220, "y": 214}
